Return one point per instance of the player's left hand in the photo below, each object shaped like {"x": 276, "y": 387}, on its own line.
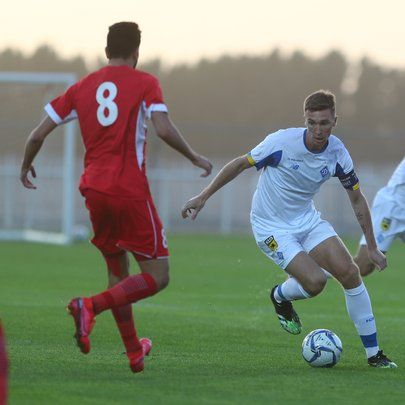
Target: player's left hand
{"x": 378, "y": 258}
{"x": 193, "y": 206}
{"x": 204, "y": 163}
{"x": 24, "y": 177}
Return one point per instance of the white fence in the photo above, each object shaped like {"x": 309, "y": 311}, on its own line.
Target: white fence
{"x": 226, "y": 212}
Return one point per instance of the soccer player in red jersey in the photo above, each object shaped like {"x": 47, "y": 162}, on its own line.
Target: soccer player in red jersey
{"x": 112, "y": 105}
{"x": 3, "y": 368}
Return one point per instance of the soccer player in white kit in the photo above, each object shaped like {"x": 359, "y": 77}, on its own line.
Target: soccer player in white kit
{"x": 388, "y": 217}
{"x": 294, "y": 163}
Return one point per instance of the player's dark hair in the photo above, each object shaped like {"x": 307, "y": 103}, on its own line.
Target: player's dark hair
{"x": 320, "y": 100}
{"x": 122, "y": 39}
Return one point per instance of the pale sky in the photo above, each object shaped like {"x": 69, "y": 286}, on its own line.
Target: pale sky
{"x": 185, "y": 31}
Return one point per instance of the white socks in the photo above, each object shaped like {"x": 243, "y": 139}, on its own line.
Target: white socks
{"x": 357, "y": 303}
{"x": 290, "y": 290}
{"x": 359, "y": 308}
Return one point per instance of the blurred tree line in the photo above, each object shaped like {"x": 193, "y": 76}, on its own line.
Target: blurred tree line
{"x": 226, "y": 106}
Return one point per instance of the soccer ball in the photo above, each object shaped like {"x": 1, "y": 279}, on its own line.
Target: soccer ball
{"x": 321, "y": 348}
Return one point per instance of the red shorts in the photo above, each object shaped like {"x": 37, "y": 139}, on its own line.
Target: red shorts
{"x": 124, "y": 224}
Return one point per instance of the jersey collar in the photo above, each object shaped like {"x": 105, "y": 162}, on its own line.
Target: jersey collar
{"x": 304, "y": 137}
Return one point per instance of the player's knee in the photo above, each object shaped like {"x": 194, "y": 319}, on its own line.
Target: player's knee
{"x": 316, "y": 284}
{"x": 162, "y": 277}
{"x": 350, "y": 277}
{"x": 164, "y": 281}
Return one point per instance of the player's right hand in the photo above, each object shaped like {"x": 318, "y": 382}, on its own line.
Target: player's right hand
{"x": 24, "y": 177}
{"x": 204, "y": 163}
{"x": 192, "y": 207}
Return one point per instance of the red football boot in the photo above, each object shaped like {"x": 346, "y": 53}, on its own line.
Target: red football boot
{"x": 136, "y": 359}
{"x": 146, "y": 346}
{"x": 82, "y": 311}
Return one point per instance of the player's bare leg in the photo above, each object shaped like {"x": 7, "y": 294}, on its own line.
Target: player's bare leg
{"x": 362, "y": 260}
{"x": 308, "y": 273}
{"x": 158, "y": 269}
{"x": 306, "y": 280}
{"x": 118, "y": 268}
{"x": 333, "y": 256}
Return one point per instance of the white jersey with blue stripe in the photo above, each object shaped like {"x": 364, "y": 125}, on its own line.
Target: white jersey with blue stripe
{"x": 291, "y": 175}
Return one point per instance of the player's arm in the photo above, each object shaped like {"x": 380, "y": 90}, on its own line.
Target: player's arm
{"x": 226, "y": 174}
{"x": 362, "y": 212}
{"x": 32, "y": 147}
{"x": 167, "y": 131}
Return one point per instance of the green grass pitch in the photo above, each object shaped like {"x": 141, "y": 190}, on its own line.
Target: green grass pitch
{"x": 216, "y": 338}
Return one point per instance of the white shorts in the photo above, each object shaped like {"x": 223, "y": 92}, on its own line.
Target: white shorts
{"x": 388, "y": 222}
{"x": 282, "y": 246}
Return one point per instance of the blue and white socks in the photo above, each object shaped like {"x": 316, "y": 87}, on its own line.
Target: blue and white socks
{"x": 290, "y": 290}
{"x": 358, "y": 306}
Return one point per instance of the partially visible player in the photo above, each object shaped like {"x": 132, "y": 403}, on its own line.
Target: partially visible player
{"x": 294, "y": 163}
{"x": 388, "y": 217}
{"x": 112, "y": 105}
{"x": 3, "y": 367}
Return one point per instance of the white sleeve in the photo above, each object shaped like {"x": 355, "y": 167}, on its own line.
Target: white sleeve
{"x": 345, "y": 170}
{"x": 266, "y": 153}
{"x": 344, "y": 163}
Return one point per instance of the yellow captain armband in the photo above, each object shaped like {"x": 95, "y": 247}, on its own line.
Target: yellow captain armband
{"x": 250, "y": 159}
{"x": 349, "y": 181}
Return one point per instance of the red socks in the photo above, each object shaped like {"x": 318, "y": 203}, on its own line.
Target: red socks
{"x": 125, "y": 322}
{"x": 3, "y": 369}
{"x": 127, "y": 291}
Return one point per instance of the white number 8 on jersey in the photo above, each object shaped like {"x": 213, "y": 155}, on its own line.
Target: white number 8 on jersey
{"x": 107, "y": 111}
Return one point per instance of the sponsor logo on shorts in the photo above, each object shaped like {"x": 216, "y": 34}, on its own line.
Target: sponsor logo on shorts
{"x": 295, "y": 166}
{"x": 325, "y": 172}
{"x": 271, "y": 243}
{"x": 385, "y": 224}
{"x": 280, "y": 255}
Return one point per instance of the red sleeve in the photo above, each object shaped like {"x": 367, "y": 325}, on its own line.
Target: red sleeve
{"x": 62, "y": 108}
{"x": 154, "y": 97}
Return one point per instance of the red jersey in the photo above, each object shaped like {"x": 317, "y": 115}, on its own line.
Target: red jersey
{"x": 112, "y": 105}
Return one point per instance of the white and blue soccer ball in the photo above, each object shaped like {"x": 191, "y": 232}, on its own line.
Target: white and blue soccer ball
{"x": 321, "y": 348}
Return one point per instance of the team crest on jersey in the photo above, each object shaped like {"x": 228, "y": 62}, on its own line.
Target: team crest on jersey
{"x": 271, "y": 243}
{"x": 385, "y": 224}
{"x": 325, "y": 172}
